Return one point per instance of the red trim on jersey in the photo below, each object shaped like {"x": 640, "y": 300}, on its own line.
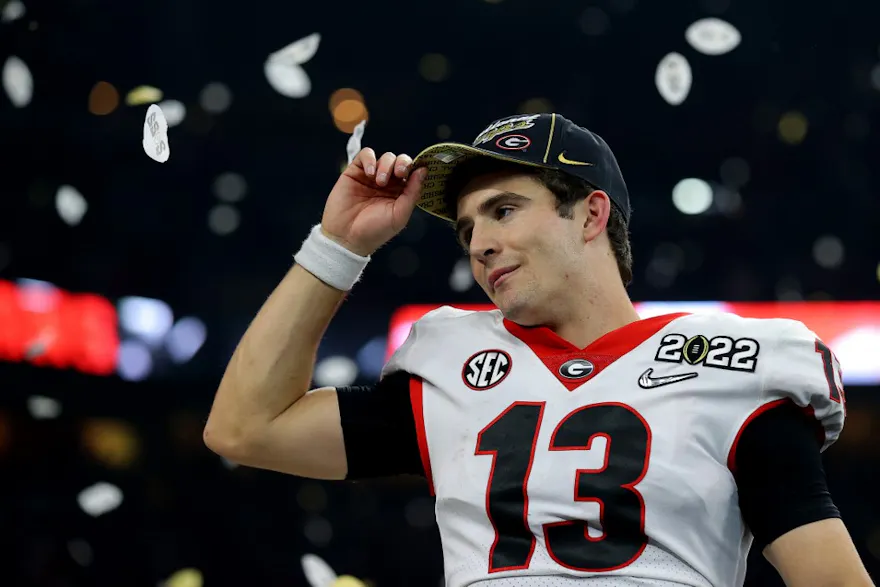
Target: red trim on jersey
{"x": 554, "y": 350}
{"x": 417, "y": 401}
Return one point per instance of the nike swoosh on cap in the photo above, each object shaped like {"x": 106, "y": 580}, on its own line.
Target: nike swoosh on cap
{"x": 563, "y": 159}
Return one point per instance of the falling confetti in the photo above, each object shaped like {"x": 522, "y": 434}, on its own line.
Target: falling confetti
{"x": 99, "y": 499}
{"x": 143, "y": 95}
{"x": 348, "y": 581}
{"x": 18, "y": 82}
{"x": 12, "y": 11}
{"x": 354, "y": 141}
{"x": 298, "y": 52}
{"x": 288, "y": 79}
{"x": 174, "y": 112}
{"x": 283, "y": 67}
{"x": 712, "y": 36}
{"x": 673, "y": 78}
{"x": 70, "y": 204}
{"x": 155, "y": 140}
{"x": 318, "y": 573}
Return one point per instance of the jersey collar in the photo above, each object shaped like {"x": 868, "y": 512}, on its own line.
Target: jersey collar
{"x": 553, "y": 350}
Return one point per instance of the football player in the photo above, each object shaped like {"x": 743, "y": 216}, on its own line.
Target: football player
{"x": 566, "y": 439}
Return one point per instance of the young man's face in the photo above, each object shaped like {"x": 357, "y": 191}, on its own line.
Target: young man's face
{"x": 522, "y": 251}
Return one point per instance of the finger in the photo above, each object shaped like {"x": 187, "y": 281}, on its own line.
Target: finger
{"x": 366, "y": 160}
{"x": 384, "y": 168}
{"x": 406, "y": 203}
{"x": 414, "y": 184}
{"x": 402, "y": 165}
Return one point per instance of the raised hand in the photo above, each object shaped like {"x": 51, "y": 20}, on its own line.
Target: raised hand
{"x": 372, "y": 201}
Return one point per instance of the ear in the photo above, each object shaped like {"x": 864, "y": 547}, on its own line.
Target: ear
{"x": 597, "y": 210}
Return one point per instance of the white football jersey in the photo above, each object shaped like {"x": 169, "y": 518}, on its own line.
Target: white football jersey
{"x": 552, "y": 464}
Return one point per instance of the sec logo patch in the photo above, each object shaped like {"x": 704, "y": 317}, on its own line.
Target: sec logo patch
{"x": 486, "y": 369}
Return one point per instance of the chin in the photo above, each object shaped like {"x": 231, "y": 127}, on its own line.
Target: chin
{"x": 517, "y": 308}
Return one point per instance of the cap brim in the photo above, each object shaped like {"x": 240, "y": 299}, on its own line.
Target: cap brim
{"x": 441, "y": 160}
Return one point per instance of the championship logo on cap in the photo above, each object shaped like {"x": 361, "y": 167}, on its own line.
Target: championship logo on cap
{"x": 505, "y": 126}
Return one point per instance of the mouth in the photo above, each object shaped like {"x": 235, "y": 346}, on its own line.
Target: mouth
{"x": 499, "y": 276}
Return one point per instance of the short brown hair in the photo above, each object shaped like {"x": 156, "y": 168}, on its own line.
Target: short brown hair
{"x": 569, "y": 190}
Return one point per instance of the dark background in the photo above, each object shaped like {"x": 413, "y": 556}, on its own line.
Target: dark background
{"x": 778, "y": 202}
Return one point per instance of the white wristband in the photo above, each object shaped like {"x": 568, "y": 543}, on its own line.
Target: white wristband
{"x": 329, "y": 261}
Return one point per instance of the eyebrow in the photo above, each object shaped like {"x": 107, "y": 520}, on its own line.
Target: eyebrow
{"x": 466, "y": 222}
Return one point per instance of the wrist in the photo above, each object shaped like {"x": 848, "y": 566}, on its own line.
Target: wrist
{"x": 359, "y": 251}
{"x": 330, "y": 261}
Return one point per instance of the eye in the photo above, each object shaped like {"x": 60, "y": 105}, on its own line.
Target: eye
{"x": 501, "y": 211}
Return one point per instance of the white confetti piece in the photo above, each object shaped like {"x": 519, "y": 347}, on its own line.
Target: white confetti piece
{"x": 99, "y": 499}
{"x": 43, "y": 408}
{"x": 12, "y": 11}
{"x": 282, "y": 68}
{"x": 18, "y": 82}
{"x": 673, "y": 78}
{"x": 70, "y": 204}
{"x": 712, "y": 36}
{"x": 174, "y": 112}
{"x": 143, "y": 95}
{"x": 299, "y": 51}
{"x": 318, "y": 573}
{"x": 354, "y": 141}
{"x": 288, "y": 79}
{"x": 155, "y": 140}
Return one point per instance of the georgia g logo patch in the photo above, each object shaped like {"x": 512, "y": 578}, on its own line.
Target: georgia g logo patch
{"x": 486, "y": 369}
{"x": 513, "y": 142}
{"x": 576, "y": 369}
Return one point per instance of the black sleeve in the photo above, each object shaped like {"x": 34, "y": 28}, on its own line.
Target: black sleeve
{"x": 779, "y": 474}
{"x": 379, "y": 429}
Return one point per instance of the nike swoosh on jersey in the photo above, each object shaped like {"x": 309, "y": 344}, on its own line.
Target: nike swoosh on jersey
{"x": 648, "y": 382}
{"x": 563, "y": 159}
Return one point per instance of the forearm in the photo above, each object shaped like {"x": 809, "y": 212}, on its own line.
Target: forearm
{"x": 272, "y": 365}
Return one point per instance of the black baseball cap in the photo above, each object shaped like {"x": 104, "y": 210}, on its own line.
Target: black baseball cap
{"x": 550, "y": 141}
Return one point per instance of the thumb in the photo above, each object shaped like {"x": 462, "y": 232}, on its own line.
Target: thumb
{"x": 413, "y": 188}
{"x": 406, "y": 202}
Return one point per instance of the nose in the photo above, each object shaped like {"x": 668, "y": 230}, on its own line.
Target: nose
{"x": 484, "y": 245}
